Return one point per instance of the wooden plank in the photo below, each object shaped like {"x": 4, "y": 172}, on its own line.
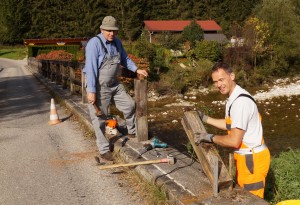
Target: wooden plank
{"x": 205, "y": 151}
{"x": 140, "y": 93}
{"x": 83, "y": 87}
{"x": 72, "y": 79}
{"x": 216, "y": 175}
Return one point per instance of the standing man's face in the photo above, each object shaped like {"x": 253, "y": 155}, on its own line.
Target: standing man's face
{"x": 109, "y": 35}
{"x": 223, "y": 81}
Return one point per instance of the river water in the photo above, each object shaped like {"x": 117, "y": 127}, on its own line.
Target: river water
{"x": 280, "y": 118}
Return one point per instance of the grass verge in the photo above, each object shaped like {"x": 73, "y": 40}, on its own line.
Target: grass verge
{"x": 283, "y": 180}
{"x": 14, "y": 53}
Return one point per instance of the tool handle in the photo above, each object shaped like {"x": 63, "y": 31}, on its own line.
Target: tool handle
{"x": 98, "y": 112}
{"x": 134, "y": 164}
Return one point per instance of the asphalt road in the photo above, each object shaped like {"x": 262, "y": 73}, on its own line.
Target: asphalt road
{"x": 48, "y": 164}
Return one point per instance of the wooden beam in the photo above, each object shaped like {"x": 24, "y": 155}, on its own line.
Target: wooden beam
{"x": 140, "y": 93}
{"x": 205, "y": 151}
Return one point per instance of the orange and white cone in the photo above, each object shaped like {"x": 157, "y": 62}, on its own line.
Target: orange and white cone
{"x": 53, "y": 114}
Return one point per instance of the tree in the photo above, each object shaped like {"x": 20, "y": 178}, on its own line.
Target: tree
{"x": 210, "y": 50}
{"x": 14, "y": 20}
{"x": 192, "y": 33}
{"x": 256, "y": 33}
{"x": 283, "y": 19}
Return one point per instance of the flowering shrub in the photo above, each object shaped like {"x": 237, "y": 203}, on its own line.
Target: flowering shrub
{"x": 141, "y": 63}
{"x": 61, "y": 55}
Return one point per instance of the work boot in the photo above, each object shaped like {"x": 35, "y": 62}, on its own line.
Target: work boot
{"x": 108, "y": 156}
{"x": 111, "y": 147}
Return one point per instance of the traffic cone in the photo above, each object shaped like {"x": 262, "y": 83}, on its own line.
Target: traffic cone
{"x": 53, "y": 114}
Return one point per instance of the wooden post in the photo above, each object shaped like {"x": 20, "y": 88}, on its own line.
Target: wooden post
{"x": 64, "y": 75}
{"x": 39, "y": 66}
{"x": 52, "y": 71}
{"x": 48, "y": 70}
{"x": 83, "y": 88}
{"x": 72, "y": 78}
{"x": 140, "y": 91}
{"x": 216, "y": 175}
{"x": 231, "y": 168}
{"x": 58, "y": 73}
{"x": 205, "y": 151}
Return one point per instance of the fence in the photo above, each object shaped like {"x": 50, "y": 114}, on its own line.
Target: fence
{"x": 70, "y": 76}
{"x": 67, "y": 74}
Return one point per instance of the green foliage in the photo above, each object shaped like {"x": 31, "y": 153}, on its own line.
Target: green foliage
{"x": 14, "y": 21}
{"x": 257, "y": 33}
{"x": 192, "y": 33}
{"x": 210, "y": 50}
{"x": 283, "y": 19}
{"x": 130, "y": 22}
{"x": 179, "y": 79}
{"x": 158, "y": 56}
{"x": 162, "y": 57}
{"x": 142, "y": 48}
{"x": 283, "y": 180}
{"x": 78, "y": 18}
{"x": 169, "y": 40}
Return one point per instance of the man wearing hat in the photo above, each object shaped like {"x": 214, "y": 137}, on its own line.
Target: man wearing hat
{"x": 104, "y": 54}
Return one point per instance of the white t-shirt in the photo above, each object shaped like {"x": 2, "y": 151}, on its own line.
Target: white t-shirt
{"x": 244, "y": 115}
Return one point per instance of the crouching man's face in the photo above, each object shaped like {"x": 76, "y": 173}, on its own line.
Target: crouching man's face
{"x": 223, "y": 81}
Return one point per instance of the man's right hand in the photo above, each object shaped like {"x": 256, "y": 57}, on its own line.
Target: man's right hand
{"x": 91, "y": 97}
{"x": 203, "y": 137}
{"x": 202, "y": 116}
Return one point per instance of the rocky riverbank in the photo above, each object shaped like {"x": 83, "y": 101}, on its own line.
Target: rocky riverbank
{"x": 280, "y": 87}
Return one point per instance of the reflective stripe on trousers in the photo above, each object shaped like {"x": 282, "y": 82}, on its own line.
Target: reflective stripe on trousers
{"x": 252, "y": 170}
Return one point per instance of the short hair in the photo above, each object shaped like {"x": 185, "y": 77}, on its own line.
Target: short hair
{"x": 222, "y": 65}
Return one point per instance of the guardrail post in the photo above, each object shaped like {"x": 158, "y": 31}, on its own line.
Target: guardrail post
{"x": 58, "y": 73}
{"x": 231, "y": 168}
{"x": 216, "y": 175}
{"x": 140, "y": 92}
{"x": 72, "y": 78}
{"x": 83, "y": 82}
{"x": 64, "y": 75}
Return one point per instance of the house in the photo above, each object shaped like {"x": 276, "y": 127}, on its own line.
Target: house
{"x": 212, "y": 31}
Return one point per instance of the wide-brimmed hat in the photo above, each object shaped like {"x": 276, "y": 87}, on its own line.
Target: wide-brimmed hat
{"x": 109, "y": 23}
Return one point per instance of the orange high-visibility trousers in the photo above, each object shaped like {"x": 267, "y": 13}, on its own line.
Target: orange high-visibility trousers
{"x": 252, "y": 170}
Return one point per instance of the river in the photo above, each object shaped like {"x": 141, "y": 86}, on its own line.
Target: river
{"x": 278, "y": 104}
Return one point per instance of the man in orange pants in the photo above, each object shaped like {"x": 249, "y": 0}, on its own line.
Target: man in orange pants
{"x": 244, "y": 131}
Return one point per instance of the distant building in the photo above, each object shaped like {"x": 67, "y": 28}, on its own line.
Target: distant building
{"x": 236, "y": 41}
{"x": 57, "y": 41}
{"x": 212, "y": 31}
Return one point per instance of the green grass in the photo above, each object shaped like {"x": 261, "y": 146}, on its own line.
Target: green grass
{"x": 15, "y": 53}
{"x": 283, "y": 180}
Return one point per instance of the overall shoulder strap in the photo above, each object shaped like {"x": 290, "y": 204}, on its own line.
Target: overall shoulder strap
{"x": 102, "y": 44}
{"x": 241, "y": 95}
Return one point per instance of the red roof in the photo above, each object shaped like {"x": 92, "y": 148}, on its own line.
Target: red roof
{"x": 178, "y": 25}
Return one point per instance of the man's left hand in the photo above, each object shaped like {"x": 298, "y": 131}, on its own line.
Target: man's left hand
{"x": 142, "y": 72}
{"x": 203, "y": 137}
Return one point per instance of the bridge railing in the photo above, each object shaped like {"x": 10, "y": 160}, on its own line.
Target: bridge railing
{"x": 65, "y": 73}
{"x": 70, "y": 76}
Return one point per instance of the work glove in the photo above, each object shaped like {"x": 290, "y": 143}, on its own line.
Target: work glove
{"x": 203, "y": 137}
{"x": 202, "y": 116}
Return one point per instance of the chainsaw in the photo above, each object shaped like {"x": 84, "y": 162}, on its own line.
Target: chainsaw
{"x": 111, "y": 125}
